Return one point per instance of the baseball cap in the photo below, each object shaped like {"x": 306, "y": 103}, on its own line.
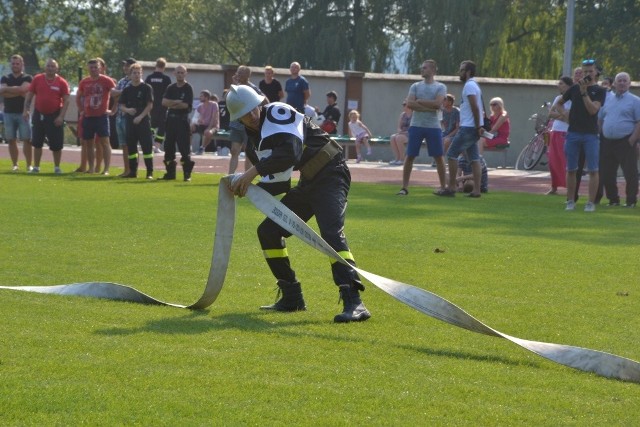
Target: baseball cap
{"x": 129, "y": 61}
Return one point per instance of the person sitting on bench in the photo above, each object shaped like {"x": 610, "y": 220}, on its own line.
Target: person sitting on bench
{"x": 500, "y": 126}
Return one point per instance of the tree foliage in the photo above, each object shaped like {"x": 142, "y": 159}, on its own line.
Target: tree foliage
{"x": 608, "y": 31}
{"x": 507, "y": 38}
{"x": 38, "y": 30}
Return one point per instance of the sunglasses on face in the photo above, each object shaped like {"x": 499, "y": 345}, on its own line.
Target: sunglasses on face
{"x": 495, "y": 104}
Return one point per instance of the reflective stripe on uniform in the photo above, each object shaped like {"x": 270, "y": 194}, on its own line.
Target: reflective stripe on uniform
{"x": 347, "y": 255}
{"x": 147, "y": 156}
{"x": 275, "y": 253}
{"x": 133, "y": 156}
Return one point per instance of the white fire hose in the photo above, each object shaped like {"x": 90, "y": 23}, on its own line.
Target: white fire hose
{"x": 605, "y": 364}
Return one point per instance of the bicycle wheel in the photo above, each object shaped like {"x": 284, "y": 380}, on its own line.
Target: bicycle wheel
{"x": 525, "y": 153}
{"x": 534, "y": 152}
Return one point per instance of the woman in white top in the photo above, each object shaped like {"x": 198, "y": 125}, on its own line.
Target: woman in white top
{"x": 557, "y": 161}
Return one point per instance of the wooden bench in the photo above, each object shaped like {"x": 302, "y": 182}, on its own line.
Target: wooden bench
{"x": 501, "y": 149}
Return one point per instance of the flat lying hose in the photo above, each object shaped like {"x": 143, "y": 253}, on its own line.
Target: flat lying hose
{"x": 605, "y": 364}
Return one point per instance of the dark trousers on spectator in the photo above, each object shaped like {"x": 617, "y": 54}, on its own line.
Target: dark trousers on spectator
{"x": 616, "y": 153}
{"x": 178, "y": 133}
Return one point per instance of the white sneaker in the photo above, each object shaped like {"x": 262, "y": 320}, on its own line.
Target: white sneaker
{"x": 571, "y": 205}
{"x": 30, "y": 168}
{"x": 15, "y": 168}
{"x": 36, "y": 169}
{"x": 589, "y": 207}
{"x": 57, "y": 170}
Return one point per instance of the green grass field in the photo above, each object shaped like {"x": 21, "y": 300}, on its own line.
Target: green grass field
{"x": 517, "y": 262}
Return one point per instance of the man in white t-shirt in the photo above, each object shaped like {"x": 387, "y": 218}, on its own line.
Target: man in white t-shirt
{"x": 471, "y": 113}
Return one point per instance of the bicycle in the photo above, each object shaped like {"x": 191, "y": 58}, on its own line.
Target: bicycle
{"x": 532, "y": 153}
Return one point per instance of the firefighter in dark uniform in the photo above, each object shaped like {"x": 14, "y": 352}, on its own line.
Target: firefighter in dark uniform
{"x": 136, "y": 102}
{"x": 281, "y": 140}
{"x": 159, "y": 81}
{"x": 178, "y": 99}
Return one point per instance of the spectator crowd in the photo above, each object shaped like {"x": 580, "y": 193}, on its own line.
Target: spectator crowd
{"x": 593, "y": 127}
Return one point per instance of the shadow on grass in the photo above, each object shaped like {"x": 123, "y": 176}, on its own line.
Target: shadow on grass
{"x": 458, "y": 354}
{"x": 199, "y": 322}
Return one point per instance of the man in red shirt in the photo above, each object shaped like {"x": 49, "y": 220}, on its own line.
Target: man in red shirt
{"x": 92, "y": 99}
{"x": 52, "y": 100}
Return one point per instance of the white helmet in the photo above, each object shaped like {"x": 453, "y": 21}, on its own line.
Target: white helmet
{"x": 241, "y": 99}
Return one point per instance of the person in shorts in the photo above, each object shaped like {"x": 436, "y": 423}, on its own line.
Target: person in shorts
{"x": 92, "y": 99}
{"x": 13, "y": 88}
{"x": 52, "y": 101}
{"x": 586, "y": 98}
{"x": 470, "y": 130}
{"x": 425, "y": 100}
{"x": 237, "y": 132}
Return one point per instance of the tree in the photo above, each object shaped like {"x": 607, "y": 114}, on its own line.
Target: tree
{"x": 39, "y": 29}
{"x": 608, "y": 32}
{"x": 530, "y": 43}
{"x": 506, "y": 38}
{"x": 321, "y": 34}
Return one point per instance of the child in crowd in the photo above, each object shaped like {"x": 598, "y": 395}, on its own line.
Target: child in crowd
{"x": 465, "y": 176}
{"x": 360, "y": 132}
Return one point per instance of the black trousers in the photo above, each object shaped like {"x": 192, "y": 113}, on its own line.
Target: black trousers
{"x": 178, "y": 132}
{"x": 616, "y": 153}
{"x": 140, "y": 133}
{"x": 325, "y": 197}
{"x": 158, "y": 122}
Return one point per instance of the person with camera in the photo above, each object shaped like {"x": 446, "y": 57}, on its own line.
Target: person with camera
{"x": 586, "y": 98}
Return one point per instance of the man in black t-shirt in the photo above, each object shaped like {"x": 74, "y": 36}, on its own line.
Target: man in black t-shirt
{"x": 136, "y": 102}
{"x": 159, "y": 81}
{"x": 331, "y": 114}
{"x": 586, "y": 98}
{"x": 178, "y": 99}
{"x": 14, "y": 87}
{"x": 271, "y": 87}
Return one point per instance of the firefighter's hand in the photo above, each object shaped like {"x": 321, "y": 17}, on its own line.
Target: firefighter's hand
{"x": 239, "y": 184}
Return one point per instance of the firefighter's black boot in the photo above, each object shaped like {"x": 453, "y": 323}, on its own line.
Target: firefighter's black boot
{"x": 171, "y": 170}
{"x": 133, "y": 168}
{"x": 187, "y": 167}
{"x": 354, "y": 310}
{"x": 291, "y": 298}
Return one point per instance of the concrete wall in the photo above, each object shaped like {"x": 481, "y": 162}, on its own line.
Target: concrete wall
{"x": 382, "y": 96}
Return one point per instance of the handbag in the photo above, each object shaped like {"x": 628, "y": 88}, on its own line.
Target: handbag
{"x": 329, "y": 126}
{"x": 486, "y": 121}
